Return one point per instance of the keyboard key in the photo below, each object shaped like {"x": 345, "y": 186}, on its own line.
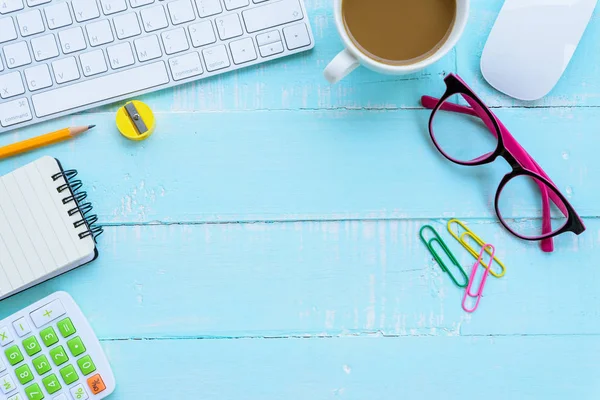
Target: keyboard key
{"x": 181, "y": 11}
{"x": 51, "y": 384}
{"x": 175, "y": 41}
{"x": 34, "y": 392}
{"x": 30, "y": 23}
{"x": 268, "y": 38}
{"x": 85, "y": 10}
{"x": 58, "y": 15}
{"x": 93, "y": 63}
{"x": 127, "y": 25}
{"x": 110, "y": 7}
{"x": 206, "y": 8}
{"x": 7, "y": 384}
{"x": 99, "y": 33}
{"x": 229, "y": 26}
{"x": 16, "y": 397}
{"x": 271, "y": 15}
{"x": 296, "y": 36}
{"x": 139, "y": 3}
{"x": 41, "y": 364}
{"x": 186, "y": 66}
{"x": 65, "y": 70}
{"x": 120, "y": 56}
{"x": 98, "y": 89}
{"x": 78, "y": 392}
{"x": 86, "y": 365}
{"x": 66, "y": 328}
{"x": 7, "y": 30}
{"x": 8, "y": 6}
{"x": 154, "y": 18}
{"x": 71, "y": 40}
{"x": 48, "y": 336}
{"x": 17, "y": 54}
{"x": 44, "y": 47}
{"x": 216, "y": 58}
{"x": 76, "y": 346}
{"x": 202, "y": 34}
{"x": 147, "y": 48}
{"x": 271, "y": 49}
{"x": 14, "y": 355}
{"x": 11, "y": 85}
{"x": 235, "y": 4}
{"x": 59, "y": 355}
{"x": 24, "y": 374}
{"x": 2, "y": 365}
{"x": 5, "y": 335}
{"x": 32, "y": 346}
{"x": 12, "y": 113}
{"x": 37, "y": 78}
{"x": 243, "y": 51}
{"x": 96, "y": 384}
{"x": 69, "y": 374}
{"x": 33, "y": 3}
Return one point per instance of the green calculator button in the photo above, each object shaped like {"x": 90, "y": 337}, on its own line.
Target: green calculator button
{"x": 14, "y": 355}
{"x": 76, "y": 346}
{"x": 48, "y": 336}
{"x": 41, "y": 365}
{"x": 69, "y": 374}
{"x": 32, "y": 346}
{"x": 59, "y": 355}
{"x": 51, "y": 384}
{"x": 86, "y": 365}
{"x": 66, "y": 327}
{"x": 24, "y": 374}
{"x": 34, "y": 392}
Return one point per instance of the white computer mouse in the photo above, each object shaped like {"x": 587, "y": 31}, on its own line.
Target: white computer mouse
{"x": 532, "y": 43}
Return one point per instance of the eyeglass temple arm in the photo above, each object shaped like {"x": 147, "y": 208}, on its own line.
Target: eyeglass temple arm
{"x": 523, "y": 157}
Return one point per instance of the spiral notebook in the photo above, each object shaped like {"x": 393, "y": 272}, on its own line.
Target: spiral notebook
{"x": 46, "y": 227}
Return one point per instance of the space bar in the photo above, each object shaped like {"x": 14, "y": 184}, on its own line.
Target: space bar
{"x": 100, "y": 89}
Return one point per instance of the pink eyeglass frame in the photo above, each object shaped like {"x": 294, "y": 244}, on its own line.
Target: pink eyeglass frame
{"x": 508, "y": 148}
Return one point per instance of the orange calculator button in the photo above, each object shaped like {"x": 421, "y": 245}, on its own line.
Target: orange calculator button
{"x": 96, "y": 384}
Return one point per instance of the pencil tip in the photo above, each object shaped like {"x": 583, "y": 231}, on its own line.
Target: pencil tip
{"x": 91, "y": 126}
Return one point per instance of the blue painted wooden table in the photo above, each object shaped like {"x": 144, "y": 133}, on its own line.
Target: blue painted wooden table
{"x": 263, "y": 243}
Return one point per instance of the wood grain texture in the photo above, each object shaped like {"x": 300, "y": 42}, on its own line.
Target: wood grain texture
{"x": 263, "y": 243}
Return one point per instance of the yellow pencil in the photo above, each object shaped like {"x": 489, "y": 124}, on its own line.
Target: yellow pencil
{"x": 41, "y": 141}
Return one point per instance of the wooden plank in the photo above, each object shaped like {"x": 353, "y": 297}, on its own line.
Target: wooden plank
{"x": 322, "y": 278}
{"x": 545, "y": 367}
{"x": 311, "y": 165}
{"x": 297, "y": 82}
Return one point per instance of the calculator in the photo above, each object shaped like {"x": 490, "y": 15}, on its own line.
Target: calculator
{"x": 49, "y": 351}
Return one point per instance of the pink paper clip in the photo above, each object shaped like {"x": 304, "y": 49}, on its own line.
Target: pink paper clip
{"x": 479, "y": 293}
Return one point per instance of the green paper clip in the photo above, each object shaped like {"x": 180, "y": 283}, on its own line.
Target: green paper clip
{"x": 437, "y": 239}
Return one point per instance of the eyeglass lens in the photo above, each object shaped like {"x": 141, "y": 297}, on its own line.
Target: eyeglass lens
{"x": 520, "y": 207}
{"x": 461, "y": 137}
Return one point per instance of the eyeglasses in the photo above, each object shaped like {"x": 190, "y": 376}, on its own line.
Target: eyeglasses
{"x": 527, "y": 202}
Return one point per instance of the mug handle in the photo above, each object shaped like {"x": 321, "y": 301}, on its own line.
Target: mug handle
{"x": 340, "y": 66}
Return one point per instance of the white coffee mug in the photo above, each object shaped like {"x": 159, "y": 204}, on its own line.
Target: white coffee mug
{"x": 350, "y": 58}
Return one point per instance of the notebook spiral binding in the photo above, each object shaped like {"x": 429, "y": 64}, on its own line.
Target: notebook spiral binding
{"x": 78, "y": 196}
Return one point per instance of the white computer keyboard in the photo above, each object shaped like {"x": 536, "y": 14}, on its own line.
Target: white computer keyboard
{"x": 58, "y": 57}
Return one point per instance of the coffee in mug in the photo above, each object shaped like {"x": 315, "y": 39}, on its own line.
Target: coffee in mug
{"x": 398, "y": 32}
{"x": 395, "y": 36}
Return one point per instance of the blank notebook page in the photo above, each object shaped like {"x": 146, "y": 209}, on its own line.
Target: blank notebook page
{"x": 38, "y": 238}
